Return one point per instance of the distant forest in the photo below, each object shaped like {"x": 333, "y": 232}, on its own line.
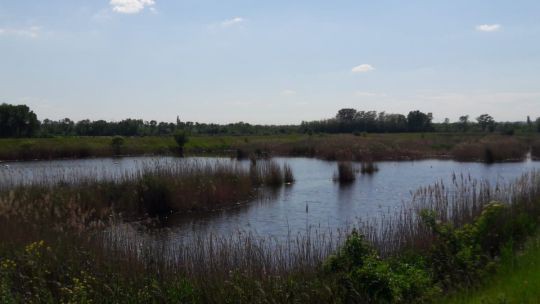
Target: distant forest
{"x": 21, "y": 121}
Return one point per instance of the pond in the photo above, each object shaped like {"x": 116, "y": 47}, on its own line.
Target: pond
{"x": 314, "y": 200}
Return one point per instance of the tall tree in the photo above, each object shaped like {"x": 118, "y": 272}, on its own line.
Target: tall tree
{"x": 464, "y": 123}
{"x": 419, "y": 122}
{"x": 486, "y": 122}
{"x": 346, "y": 114}
{"x": 17, "y": 121}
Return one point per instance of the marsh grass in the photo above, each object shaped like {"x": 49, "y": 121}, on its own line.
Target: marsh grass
{"x": 368, "y": 167}
{"x": 266, "y": 172}
{"x": 154, "y": 188}
{"x": 345, "y": 173}
{"x": 288, "y": 175}
{"x": 341, "y": 147}
{"x": 490, "y": 150}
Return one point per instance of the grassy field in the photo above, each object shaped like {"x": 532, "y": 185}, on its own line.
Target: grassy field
{"x": 467, "y": 147}
{"x": 516, "y": 281}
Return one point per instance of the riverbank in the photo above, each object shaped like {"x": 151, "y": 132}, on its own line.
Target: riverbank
{"x": 360, "y": 147}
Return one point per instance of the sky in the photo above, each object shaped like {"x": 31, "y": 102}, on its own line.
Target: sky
{"x": 269, "y": 62}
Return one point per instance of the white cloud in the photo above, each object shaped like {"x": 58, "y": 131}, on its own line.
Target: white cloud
{"x": 488, "y": 27}
{"x": 363, "y": 68}
{"x": 30, "y": 32}
{"x": 233, "y": 21}
{"x": 130, "y": 6}
{"x": 288, "y": 92}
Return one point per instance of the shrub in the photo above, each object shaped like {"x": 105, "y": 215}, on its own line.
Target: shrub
{"x": 181, "y": 139}
{"x": 463, "y": 255}
{"x": 361, "y": 276}
{"x": 117, "y": 143}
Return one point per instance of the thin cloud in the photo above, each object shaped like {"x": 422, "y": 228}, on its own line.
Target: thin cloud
{"x": 233, "y": 21}
{"x": 368, "y": 94}
{"x": 488, "y": 27}
{"x": 288, "y": 92}
{"x": 30, "y": 32}
{"x": 363, "y": 68}
{"x": 131, "y": 6}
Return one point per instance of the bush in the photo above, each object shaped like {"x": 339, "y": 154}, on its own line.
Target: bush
{"x": 117, "y": 143}
{"x": 461, "y": 256}
{"x": 361, "y": 276}
{"x": 181, "y": 139}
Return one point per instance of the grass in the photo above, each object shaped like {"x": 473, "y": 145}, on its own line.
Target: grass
{"x": 517, "y": 280}
{"x": 376, "y": 147}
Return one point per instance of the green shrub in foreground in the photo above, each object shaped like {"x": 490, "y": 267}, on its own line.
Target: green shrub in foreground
{"x": 361, "y": 276}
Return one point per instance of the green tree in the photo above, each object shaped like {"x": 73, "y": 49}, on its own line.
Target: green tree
{"x": 464, "y": 123}
{"x": 486, "y": 122}
{"x": 17, "y": 121}
{"x": 181, "y": 139}
{"x": 418, "y": 121}
{"x": 117, "y": 143}
{"x": 346, "y": 114}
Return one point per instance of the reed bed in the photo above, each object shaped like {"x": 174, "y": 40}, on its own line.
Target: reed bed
{"x": 458, "y": 204}
{"x": 288, "y": 175}
{"x": 345, "y": 173}
{"x": 266, "y": 172}
{"x": 154, "y": 188}
{"x": 491, "y": 150}
{"x": 368, "y": 167}
{"x": 212, "y": 255}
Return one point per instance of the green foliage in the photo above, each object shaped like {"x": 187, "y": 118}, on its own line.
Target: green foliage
{"x": 181, "y": 138}
{"x": 461, "y": 256}
{"x": 360, "y": 275}
{"x": 117, "y": 143}
{"x": 17, "y": 121}
{"x": 517, "y": 279}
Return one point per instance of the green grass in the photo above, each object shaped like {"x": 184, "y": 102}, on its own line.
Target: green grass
{"x": 516, "y": 281}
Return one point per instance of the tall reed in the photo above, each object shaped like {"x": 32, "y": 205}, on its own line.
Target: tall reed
{"x": 288, "y": 176}
{"x": 368, "y": 167}
{"x": 345, "y": 172}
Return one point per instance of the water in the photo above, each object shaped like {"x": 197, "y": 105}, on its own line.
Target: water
{"x": 314, "y": 200}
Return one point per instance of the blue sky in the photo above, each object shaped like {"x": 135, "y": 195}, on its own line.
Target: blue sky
{"x": 269, "y": 61}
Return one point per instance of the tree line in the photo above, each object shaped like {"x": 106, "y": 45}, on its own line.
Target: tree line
{"x": 351, "y": 121}
{"x": 21, "y": 121}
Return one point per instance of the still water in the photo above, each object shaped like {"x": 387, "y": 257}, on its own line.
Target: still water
{"x": 313, "y": 200}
